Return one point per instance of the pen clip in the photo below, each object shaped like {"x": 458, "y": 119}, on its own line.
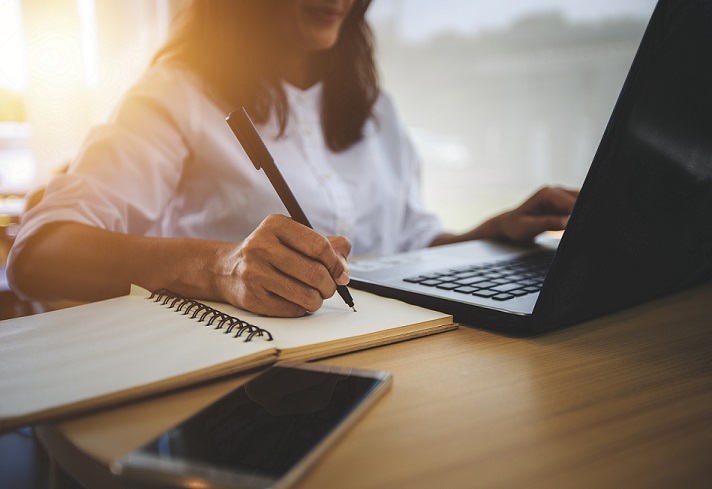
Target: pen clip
{"x": 249, "y": 138}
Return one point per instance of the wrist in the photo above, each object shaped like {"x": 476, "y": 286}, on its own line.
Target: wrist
{"x": 197, "y": 268}
{"x": 493, "y": 228}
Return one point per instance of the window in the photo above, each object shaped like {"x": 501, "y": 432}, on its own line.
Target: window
{"x": 63, "y": 66}
{"x": 502, "y": 97}
{"x": 16, "y": 161}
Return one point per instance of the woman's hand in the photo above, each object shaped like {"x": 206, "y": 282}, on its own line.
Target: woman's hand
{"x": 285, "y": 269}
{"x": 281, "y": 269}
{"x": 547, "y": 210}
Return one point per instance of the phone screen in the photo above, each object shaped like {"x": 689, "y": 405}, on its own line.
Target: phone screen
{"x": 264, "y": 428}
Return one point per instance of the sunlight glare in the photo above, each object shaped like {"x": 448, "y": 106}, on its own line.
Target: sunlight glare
{"x": 90, "y": 56}
{"x": 13, "y": 68}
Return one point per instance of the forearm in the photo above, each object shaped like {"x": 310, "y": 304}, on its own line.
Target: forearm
{"x": 78, "y": 262}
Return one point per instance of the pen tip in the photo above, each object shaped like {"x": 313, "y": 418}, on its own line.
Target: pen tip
{"x": 352, "y": 307}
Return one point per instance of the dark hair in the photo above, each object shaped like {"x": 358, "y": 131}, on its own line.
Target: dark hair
{"x": 231, "y": 45}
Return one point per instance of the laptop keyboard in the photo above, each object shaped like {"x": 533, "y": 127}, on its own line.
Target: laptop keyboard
{"x": 502, "y": 280}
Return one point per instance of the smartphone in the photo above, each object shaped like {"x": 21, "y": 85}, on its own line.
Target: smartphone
{"x": 264, "y": 434}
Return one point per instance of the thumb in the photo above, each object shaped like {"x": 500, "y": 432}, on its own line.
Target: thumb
{"x": 536, "y": 225}
{"x": 343, "y": 277}
{"x": 342, "y": 248}
{"x": 341, "y": 245}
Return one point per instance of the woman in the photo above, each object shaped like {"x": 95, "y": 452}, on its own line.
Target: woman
{"x": 164, "y": 197}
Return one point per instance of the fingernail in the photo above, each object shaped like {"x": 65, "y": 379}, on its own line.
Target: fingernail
{"x": 343, "y": 279}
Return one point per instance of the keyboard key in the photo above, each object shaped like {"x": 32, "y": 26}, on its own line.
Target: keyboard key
{"x": 434, "y": 275}
{"x": 502, "y": 297}
{"x": 506, "y": 287}
{"x": 414, "y": 280}
{"x": 518, "y": 292}
{"x": 446, "y": 278}
{"x": 486, "y": 285}
{"x": 494, "y": 275}
{"x": 485, "y": 293}
{"x": 465, "y": 274}
{"x": 466, "y": 289}
{"x": 470, "y": 281}
{"x": 430, "y": 283}
{"x": 457, "y": 270}
{"x": 531, "y": 281}
{"x": 447, "y": 286}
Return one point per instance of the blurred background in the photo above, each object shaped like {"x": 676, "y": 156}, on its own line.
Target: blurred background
{"x": 500, "y": 96}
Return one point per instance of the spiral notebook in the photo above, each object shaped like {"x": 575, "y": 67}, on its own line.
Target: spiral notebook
{"x": 95, "y": 355}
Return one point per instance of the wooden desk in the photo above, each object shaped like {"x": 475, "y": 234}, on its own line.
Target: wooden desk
{"x": 623, "y": 401}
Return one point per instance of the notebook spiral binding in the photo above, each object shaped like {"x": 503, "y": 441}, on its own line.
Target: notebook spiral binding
{"x": 202, "y": 312}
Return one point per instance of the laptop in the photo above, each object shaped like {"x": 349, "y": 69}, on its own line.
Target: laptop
{"x": 641, "y": 227}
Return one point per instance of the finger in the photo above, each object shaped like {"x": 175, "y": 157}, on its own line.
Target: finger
{"x": 307, "y": 272}
{"x": 570, "y": 194}
{"x": 320, "y": 249}
{"x": 533, "y": 226}
{"x": 253, "y": 292}
{"x": 571, "y": 191}
{"x": 267, "y": 303}
{"x": 284, "y": 271}
{"x": 297, "y": 293}
{"x": 317, "y": 247}
{"x": 266, "y": 264}
{"x": 553, "y": 200}
{"x": 266, "y": 290}
{"x": 342, "y": 247}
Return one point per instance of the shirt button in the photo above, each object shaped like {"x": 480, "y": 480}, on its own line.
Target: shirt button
{"x": 301, "y": 98}
{"x": 308, "y": 130}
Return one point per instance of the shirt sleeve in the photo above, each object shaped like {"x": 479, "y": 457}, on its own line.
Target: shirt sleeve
{"x": 419, "y": 225}
{"x": 127, "y": 170}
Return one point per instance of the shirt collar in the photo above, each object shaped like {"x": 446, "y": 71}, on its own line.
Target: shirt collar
{"x": 309, "y": 98}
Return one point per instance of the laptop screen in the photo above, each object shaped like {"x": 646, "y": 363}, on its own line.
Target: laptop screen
{"x": 642, "y": 227}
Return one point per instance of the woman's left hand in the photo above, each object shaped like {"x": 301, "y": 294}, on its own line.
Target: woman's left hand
{"x": 547, "y": 210}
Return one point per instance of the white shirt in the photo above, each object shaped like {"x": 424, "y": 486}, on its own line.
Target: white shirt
{"x": 169, "y": 165}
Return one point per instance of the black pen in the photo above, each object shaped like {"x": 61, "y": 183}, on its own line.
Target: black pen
{"x": 245, "y": 131}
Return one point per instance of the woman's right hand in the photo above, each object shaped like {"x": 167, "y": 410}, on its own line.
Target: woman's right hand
{"x": 284, "y": 269}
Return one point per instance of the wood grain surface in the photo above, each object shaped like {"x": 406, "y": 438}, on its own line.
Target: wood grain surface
{"x": 622, "y": 401}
